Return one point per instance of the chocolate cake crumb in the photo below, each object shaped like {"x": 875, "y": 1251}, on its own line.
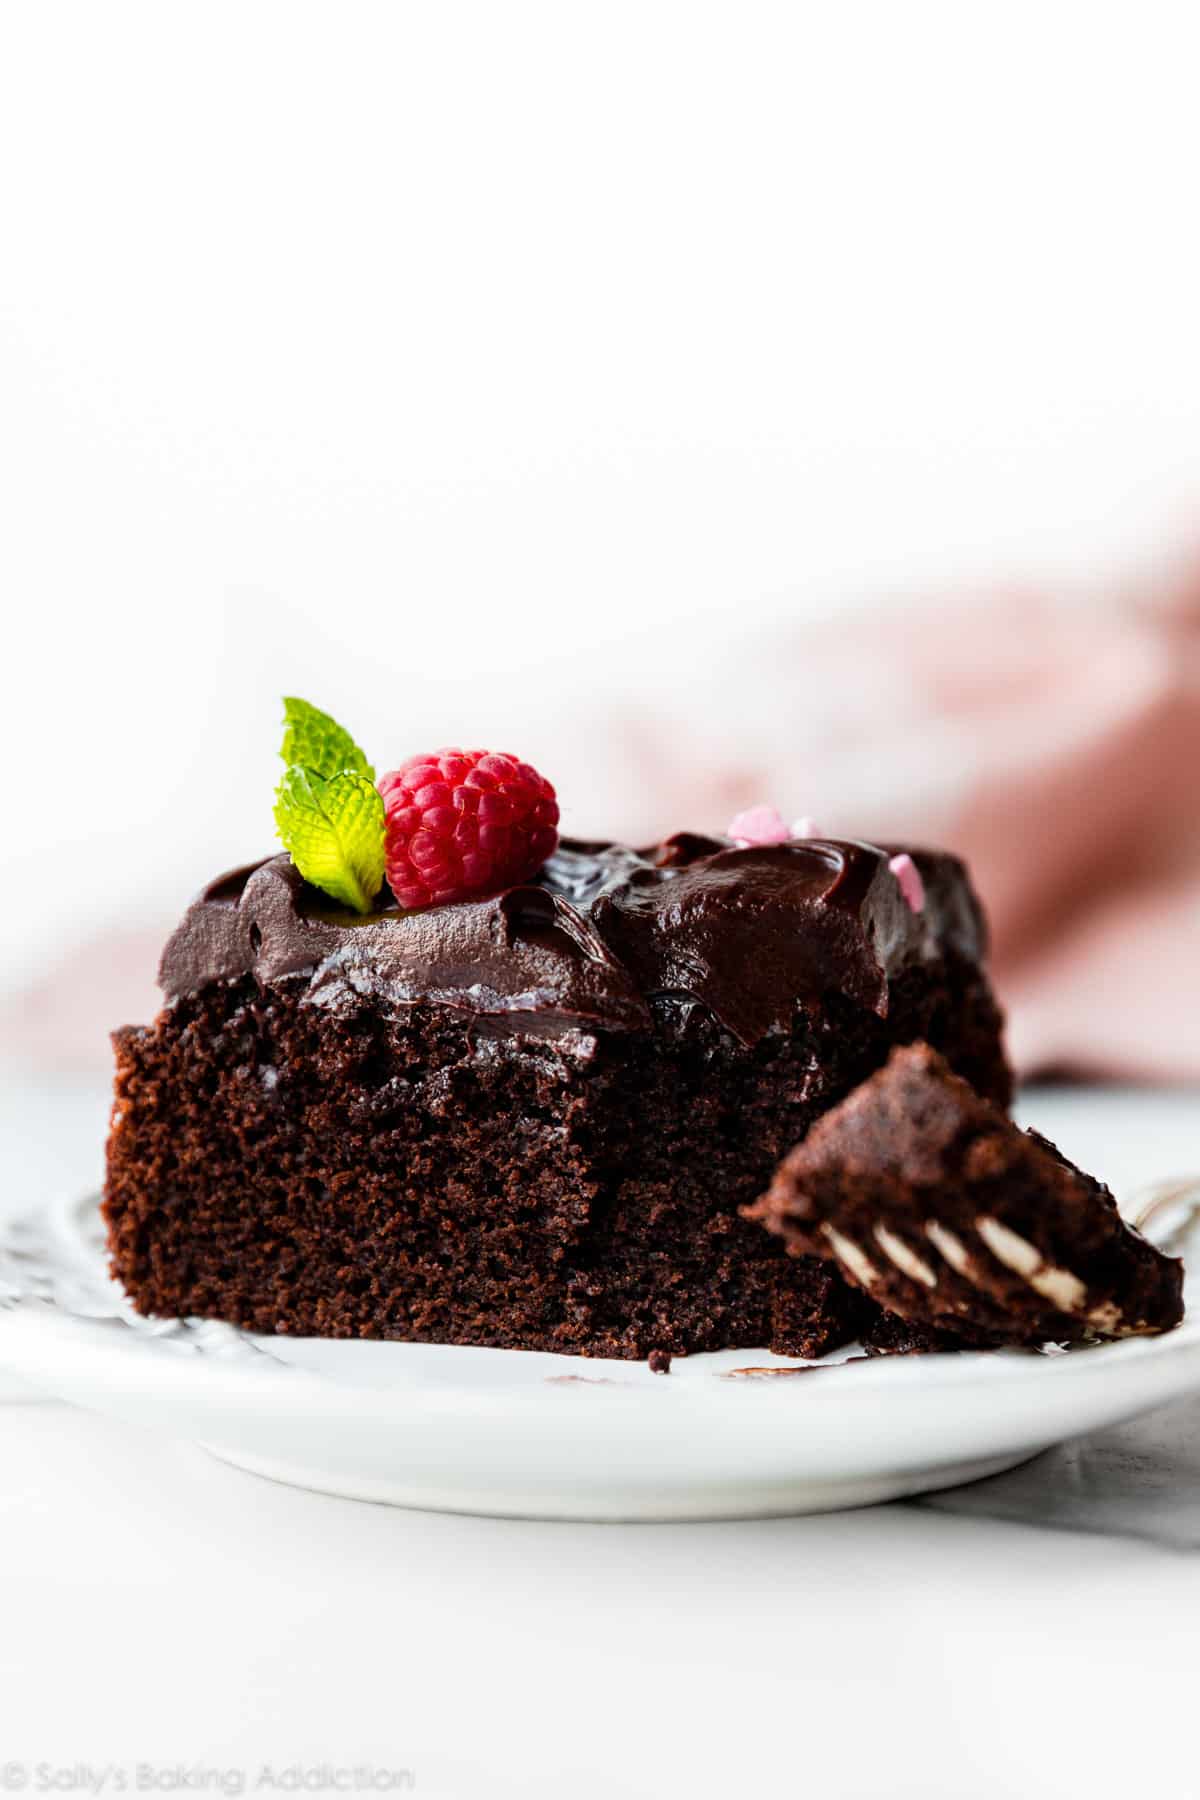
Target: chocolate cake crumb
{"x": 530, "y": 1121}
{"x": 660, "y": 1362}
{"x": 963, "y": 1228}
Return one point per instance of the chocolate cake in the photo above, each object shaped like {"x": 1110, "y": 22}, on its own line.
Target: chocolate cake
{"x": 531, "y": 1119}
{"x": 931, "y": 1201}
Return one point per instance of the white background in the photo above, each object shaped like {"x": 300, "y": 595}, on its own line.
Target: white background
{"x": 425, "y": 359}
{"x": 450, "y": 364}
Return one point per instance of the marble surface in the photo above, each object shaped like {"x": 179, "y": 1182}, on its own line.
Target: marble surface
{"x": 1140, "y": 1480}
{"x": 161, "y": 1609}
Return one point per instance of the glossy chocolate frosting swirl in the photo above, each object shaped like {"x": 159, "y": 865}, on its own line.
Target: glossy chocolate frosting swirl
{"x": 745, "y": 932}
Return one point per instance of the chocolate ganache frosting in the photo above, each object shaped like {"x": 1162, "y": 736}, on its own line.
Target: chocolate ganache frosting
{"x": 745, "y": 932}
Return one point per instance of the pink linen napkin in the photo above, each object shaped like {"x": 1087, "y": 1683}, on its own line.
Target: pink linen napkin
{"x": 1055, "y": 746}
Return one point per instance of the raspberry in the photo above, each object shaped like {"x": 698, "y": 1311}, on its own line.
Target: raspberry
{"x": 461, "y": 824}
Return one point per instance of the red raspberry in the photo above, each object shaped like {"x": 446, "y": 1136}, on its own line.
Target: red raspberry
{"x": 465, "y": 823}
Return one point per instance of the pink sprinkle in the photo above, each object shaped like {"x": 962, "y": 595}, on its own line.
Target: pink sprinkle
{"x": 806, "y": 828}
{"x": 909, "y": 876}
{"x": 758, "y": 825}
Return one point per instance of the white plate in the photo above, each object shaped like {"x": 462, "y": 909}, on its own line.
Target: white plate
{"x": 531, "y": 1435}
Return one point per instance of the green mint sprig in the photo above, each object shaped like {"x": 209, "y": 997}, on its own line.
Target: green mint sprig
{"x": 327, "y": 809}
{"x": 314, "y": 741}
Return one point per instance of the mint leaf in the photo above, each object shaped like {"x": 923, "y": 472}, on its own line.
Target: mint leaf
{"x": 314, "y": 741}
{"x": 333, "y": 830}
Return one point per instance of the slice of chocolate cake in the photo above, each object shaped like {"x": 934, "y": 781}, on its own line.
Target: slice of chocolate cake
{"x": 530, "y": 1119}
{"x": 931, "y": 1201}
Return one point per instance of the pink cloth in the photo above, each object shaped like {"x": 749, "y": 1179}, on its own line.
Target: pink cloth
{"x": 1056, "y": 747}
